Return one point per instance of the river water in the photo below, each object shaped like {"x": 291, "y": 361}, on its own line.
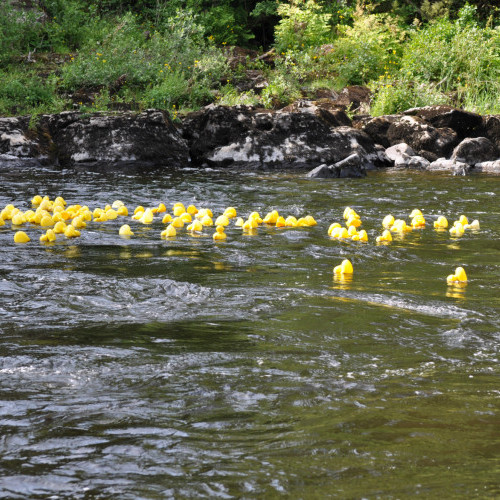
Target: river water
{"x": 146, "y": 368}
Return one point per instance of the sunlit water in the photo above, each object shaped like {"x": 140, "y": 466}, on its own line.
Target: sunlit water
{"x": 146, "y": 368}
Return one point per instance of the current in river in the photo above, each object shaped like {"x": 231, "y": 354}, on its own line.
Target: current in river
{"x": 188, "y": 368}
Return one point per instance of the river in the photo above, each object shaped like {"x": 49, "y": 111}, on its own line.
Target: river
{"x": 186, "y": 368}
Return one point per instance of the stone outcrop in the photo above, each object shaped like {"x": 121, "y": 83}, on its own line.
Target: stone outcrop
{"x": 475, "y": 150}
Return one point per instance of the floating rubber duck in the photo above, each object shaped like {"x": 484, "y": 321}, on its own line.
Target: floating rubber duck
{"x": 418, "y": 221}
{"x": 147, "y": 216}
{"x": 271, "y": 217}
{"x": 178, "y": 210}
{"x": 117, "y": 204}
{"x": 340, "y": 233}
{"x": 333, "y": 226}
{"x": 352, "y": 231}
{"x": 473, "y": 225}
{"x": 302, "y": 222}
{"x": 415, "y": 212}
{"x": 192, "y": 210}
{"x": 186, "y": 218}
{"x": 344, "y": 268}
{"x": 349, "y": 212}
{"x": 169, "y": 232}
{"x": 48, "y": 237}
{"x": 441, "y": 222}
{"x": 36, "y": 200}
{"x": 311, "y": 221}
{"x": 125, "y": 230}
{"x": 463, "y": 220}
{"x": 139, "y": 208}
{"x": 459, "y": 276}
{"x": 361, "y": 236}
{"x": 78, "y": 223}
{"x": 230, "y": 212}
{"x": 291, "y": 221}
{"x": 204, "y": 211}
{"x": 196, "y": 225}
{"x": 256, "y": 217}
{"x": 122, "y": 210}
{"x": 111, "y": 214}
{"x": 71, "y": 232}
{"x": 457, "y": 229}
{"x": 46, "y": 220}
{"x": 353, "y": 220}
{"x": 400, "y": 226}
{"x": 60, "y": 227}
{"x": 239, "y": 222}
{"x": 21, "y": 237}
{"x": 249, "y": 224}
{"x": 159, "y": 209}
{"x": 177, "y": 222}
{"x": 385, "y": 238}
{"x": 206, "y": 220}
{"x": 388, "y": 221}
{"x": 167, "y": 218}
{"x": 280, "y": 221}
{"x": 103, "y": 217}
{"x": 222, "y": 220}
{"x": 18, "y": 219}
{"x": 219, "y": 233}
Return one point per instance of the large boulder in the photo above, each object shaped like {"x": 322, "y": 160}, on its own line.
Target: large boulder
{"x": 488, "y": 167}
{"x": 16, "y": 138}
{"x": 491, "y": 125}
{"x": 464, "y": 123}
{"x": 145, "y": 139}
{"x": 244, "y": 137}
{"x": 352, "y": 166}
{"x": 475, "y": 150}
{"x": 449, "y": 166}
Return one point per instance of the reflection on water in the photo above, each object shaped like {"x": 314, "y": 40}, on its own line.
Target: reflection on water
{"x": 147, "y": 368}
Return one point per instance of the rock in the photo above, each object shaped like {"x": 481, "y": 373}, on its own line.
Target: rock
{"x": 352, "y": 166}
{"x": 145, "y": 139}
{"x": 253, "y": 79}
{"x": 491, "y": 126}
{"x": 326, "y": 109}
{"x": 355, "y": 97}
{"x": 464, "y": 123}
{"x": 377, "y": 128}
{"x": 415, "y": 161}
{"x": 488, "y": 167}
{"x": 397, "y": 150}
{"x": 16, "y": 139}
{"x": 243, "y": 137}
{"x": 451, "y": 166}
{"x": 475, "y": 150}
{"x": 427, "y": 141}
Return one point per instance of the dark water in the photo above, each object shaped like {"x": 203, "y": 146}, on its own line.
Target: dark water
{"x": 147, "y": 368}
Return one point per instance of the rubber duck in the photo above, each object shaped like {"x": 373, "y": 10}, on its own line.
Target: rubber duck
{"x": 117, "y": 204}
{"x": 385, "y": 238}
{"x": 271, "y": 217}
{"x": 46, "y": 220}
{"x": 192, "y": 210}
{"x": 60, "y": 201}
{"x": 352, "y": 231}
{"x": 219, "y": 233}
{"x": 239, "y": 222}
{"x": 78, "y": 223}
{"x": 48, "y": 237}
{"x": 102, "y": 217}
{"x": 21, "y": 237}
{"x": 46, "y": 205}
{"x": 36, "y": 200}
{"x": 353, "y": 220}
{"x": 177, "y": 222}
{"x": 361, "y": 236}
{"x": 457, "y": 229}
{"x": 71, "y": 232}
{"x": 340, "y": 233}
{"x": 196, "y": 225}
{"x": 169, "y": 232}
{"x": 458, "y": 276}
{"x": 333, "y": 226}
{"x": 147, "y": 216}
{"x": 59, "y": 227}
{"x": 222, "y": 220}
{"x": 311, "y": 221}
{"x": 463, "y": 220}
{"x": 441, "y": 222}
{"x": 418, "y": 221}
{"x": 388, "y": 221}
{"x": 302, "y": 222}
{"x": 415, "y": 212}
{"x": 185, "y": 217}
{"x": 125, "y": 230}
{"x": 167, "y": 218}
{"x": 206, "y": 220}
{"x": 111, "y": 214}
{"x": 249, "y": 224}
{"x": 348, "y": 212}
{"x": 280, "y": 221}
{"x": 122, "y": 210}
{"x": 6, "y": 213}
{"x": 473, "y": 225}
{"x": 18, "y": 219}
{"x": 160, "y": 209}
{"x": 400, "y": 226}
{"x": 230, "y": 212}
{"x": 291, "y": 221}
{"x": 178, "y": 210}
{"x": 256, "y": 217}
{"x": 344, "y": 268}
{"x": 139, "y": 208}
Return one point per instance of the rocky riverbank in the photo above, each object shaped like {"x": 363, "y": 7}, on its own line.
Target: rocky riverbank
{"x": 317, "y": 137}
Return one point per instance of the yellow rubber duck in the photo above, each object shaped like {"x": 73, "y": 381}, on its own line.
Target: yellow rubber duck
{"x": 463, "y": 220}
{"x": 311, "y": 221}
{"x": 349, "y": 212}
{"x": 21, "y": 237}
{"x": 256, "y": 217}
{"x": 473, "y": 225}
{"x": 333, "y": 226}
{"x": 102, "y": 217}
{"x": 291, "y": 221}
{"x": 302, "y": 222}
{"x": 167, "y": 218}
{"x": 117, "y": 204}
{"x": 239, "y": 222}
{"x": 36, "y": 200}
{"x": 280, "y": 221}
{"x": 415, "y": 212}
{"x": 177, "y": 223}
{"x": 230, "y": 212}
{"x": 441, "y": 222}
{"x": 219, "y": 233}
{"x": 147, "y": 217}
{"x": 361, "y": 236}
{"x": 249, "y": 224}
{"x": 458, "y": 276}
{"x": 353, "y": 220}
{"x": 48, "y": 237}
{"x": 18, "y": 219}
{"x": 222, "y": 220}
{"x": 60, "y": 227}
{"x": 457, "y": 230}
{"x": 418, "y": 221}
{"x": 185, "y": 217}
{"x": 340, "y": 233}
{"x": 169, "y": 232}
{"x": 271, "y": 217}
{"x": 159, "y": 209}
{"x": 122, "y": 210}
{"x": 400, "y": 226}
{"x": 46, "y": 220}
{"x": 196, "y": 225}
{"x": 388, "y": 221}
{"x": 78, "y": 222}
{"x": 125, "y": 230}
{"x": 344, "y": 268}
{"x": 178, "y": 210}
{"x": 192, "y": 210}
{"x": 385, "y": 238}
{"x": 206, "y": 220}
{"x": 202, "y": 212}
{"x": 138, "y": 209}
{"x": 71, "y": 232}
{"x": 352, "y": 231}
{"x": 111, "y": 214}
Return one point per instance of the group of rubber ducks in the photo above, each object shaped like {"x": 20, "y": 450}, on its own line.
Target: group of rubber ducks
{"x": 58, "y": 218}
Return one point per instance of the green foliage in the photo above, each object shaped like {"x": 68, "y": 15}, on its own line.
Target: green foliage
{"x": 302, "y": 25}
{"x": 282, "y": 90}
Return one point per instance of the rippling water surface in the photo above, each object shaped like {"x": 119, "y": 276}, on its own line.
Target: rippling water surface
{"x": 146, "y": 368}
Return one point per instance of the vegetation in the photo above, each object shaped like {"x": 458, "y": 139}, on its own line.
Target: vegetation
{"x": 111, "y": 54}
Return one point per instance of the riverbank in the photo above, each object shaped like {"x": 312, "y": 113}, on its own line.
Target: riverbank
{"x": 318, "y": 137}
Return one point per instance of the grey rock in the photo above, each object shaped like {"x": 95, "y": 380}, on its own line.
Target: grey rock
{"x": 352, "y": 166}
{"x": 397, "y": 150}
{"x": 450, "y": 166}
{"x": 415, "y": 162}
{"x": 16, "y": 139}
{"x": 475, "y": 150}
{"x": 488, "y": 167}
